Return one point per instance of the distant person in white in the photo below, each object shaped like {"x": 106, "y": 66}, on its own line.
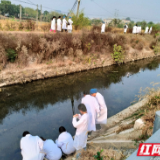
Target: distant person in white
{"x": 51, "y": 150}
{"x": 134, "y": 29}
{"x": 125, "y": 28}
{"x": 64, "y": 24}
{"x": 139, "y": 29}
{"x": 65, "y": 141}
{"x": 80, "y": 139}
{"x": 146, "y": 30}
{"x": 92, "y": 110}
{"x": 59, "y": 24}
{"x": 103, "y": 27}
{"x": 70, "y": 22}
{"x": 53, "y": 24}
{"x": 102, "y": 119}
{"x": 150, "y": 31}
{"x": 31, "y": 146}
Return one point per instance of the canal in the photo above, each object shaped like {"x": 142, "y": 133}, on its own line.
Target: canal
{"x": 41, "y": 107}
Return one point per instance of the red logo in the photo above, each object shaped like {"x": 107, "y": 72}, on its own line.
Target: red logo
{"x": 149, "y": 149}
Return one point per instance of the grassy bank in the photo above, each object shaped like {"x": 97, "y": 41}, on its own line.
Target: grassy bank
{"x": 63, "y": 53}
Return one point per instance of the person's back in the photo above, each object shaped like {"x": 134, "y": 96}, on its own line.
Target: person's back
{"x": 70, "y": 22}
{"x": 92, "y": 110}
{"x": 103, "y": 28}
{"x": 65, "y": 142}
{"x": 150, "y": 31}
{"x": 146, "y": 31}
{"x": 31, "y": 147}
{"x": 103, "y": 107}
{"x": 135, "y": 30}
{"x": 51, "y": 150}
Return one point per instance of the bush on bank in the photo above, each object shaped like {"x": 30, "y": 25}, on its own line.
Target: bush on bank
{"x": 24, "y": 48}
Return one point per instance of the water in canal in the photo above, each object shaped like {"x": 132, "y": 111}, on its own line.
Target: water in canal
{"x": 43, "y": 106}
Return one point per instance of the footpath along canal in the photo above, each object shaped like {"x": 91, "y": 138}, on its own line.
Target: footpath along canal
{"x": 41, "y": 107}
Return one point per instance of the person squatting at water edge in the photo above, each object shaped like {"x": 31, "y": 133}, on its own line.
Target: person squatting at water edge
{"x": 31, "y": 146}
{"x": 51, "y": 150}
{"x": 65, "y": 141}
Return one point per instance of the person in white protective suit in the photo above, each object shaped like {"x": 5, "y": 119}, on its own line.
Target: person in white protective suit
{"x": 150, "y": 30}
{"x": 31, "y": 147}
{"x": 139, "y": 29}
{"x": 146, "y": 30}
{"x": 70, "y": 22}
{"x": 59, "y": 24}
{"x": 103, "y": 27}
{"x": 65, "y": 141}
{"x": 135, "y": 29}
{"x": 52, "y": 151}
{"x": 102, "y": 119}
{"x": 80, "y": 122}
{"x": 93, "y": 110}
{"x": 64, "y": 24}
{"x": 125, "y": 28}
{"x": 53, "y": 24}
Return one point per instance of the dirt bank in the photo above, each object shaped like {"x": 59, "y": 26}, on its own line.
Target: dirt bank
{"x": 51, "y": 55}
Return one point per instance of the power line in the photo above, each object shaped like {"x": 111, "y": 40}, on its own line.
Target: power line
{"x": 30, "y": 2}
{"x": 101, "y": 7}
{"x": 120, "y": 14}
{"x": 25, "y": 2}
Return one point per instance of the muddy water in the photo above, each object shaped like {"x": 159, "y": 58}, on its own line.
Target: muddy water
{"x": 42, "y": 107}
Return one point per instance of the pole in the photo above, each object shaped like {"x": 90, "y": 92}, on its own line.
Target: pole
{"x": 41, "y": 13}
{"x": 20, "y": 15}
{"x": 78, "y": 7}
{"x": 37, "y": 14}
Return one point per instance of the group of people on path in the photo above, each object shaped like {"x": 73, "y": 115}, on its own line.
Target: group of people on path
{"x": 138, "y": 29}
{"x": 93, "y": 110}
{"x": 62, "y": 25}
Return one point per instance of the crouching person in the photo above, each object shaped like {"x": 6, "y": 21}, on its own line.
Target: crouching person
{"x": 51, "y": 150}
{"x": 31, "y": 147}
{"x": 81, "y": 126}
{"x": 65, "y": 141}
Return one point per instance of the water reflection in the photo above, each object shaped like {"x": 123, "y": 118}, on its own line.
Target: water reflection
{"x": 42, "y": 106}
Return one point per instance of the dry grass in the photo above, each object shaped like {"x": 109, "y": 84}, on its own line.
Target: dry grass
{"x": 147, "y": 113}
{"x": 107, "y": 154}
{"x": 28, "y": 25}
{"x": 42, "y": 48}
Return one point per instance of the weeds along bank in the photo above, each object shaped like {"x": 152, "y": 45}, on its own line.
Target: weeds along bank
{"x": 28, "y": 25}
{"x": 27, "y": 57}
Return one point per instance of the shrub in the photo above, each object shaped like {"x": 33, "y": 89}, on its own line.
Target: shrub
{"x": 153, "y": 43}
{"x": 98, "y": 156}
{"x": 81, "y": 21}
{"x": 31, "y": 25}
{"x": 117, "y": 54}
{"x": 156, "y": 49}
{"x": 96, "y": 29}
{"x": 21, "y": 26}
{"x": 11, "y": 54}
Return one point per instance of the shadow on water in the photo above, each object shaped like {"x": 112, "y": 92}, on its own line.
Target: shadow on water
{"x": 43, "y": 106}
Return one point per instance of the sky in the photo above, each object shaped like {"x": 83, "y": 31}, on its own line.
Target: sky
{"x": 137, "y": 10}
